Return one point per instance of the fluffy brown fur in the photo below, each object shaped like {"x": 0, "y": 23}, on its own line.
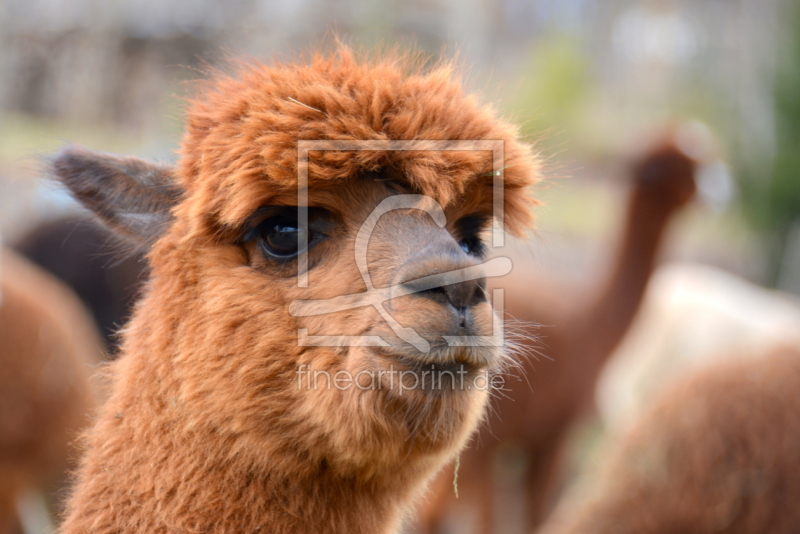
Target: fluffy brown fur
{"x": 534, "y": 415}
{"x": 47, "y": 345}
{"x": 247, "y": 127}
{"x": 717, "y": 452}
{"x": 207, "y": 429}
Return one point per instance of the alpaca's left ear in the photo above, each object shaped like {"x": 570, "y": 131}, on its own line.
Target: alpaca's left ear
{"x": 132, "y": 196}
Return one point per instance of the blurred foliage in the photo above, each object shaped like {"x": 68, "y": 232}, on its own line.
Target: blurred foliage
{"x": 784, "y": 193}
{"x": 554, "y": 90}
{"x": 773, "y": 200}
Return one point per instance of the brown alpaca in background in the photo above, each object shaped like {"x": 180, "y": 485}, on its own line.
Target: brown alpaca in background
{"x": 717, "y": 452}
{"x": 210, "y": 425}
{"x": 533, "y": 416}
{"x": 81, "y": 253}
{"x": 693, "y": 314}
{"x": 47, "y": 348}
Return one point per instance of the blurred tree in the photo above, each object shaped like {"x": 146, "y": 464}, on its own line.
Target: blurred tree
{"x": 773, "y": 200}
{"x": 554, "y": 90}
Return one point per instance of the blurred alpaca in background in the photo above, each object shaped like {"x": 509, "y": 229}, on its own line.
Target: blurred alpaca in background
{"x": 716, "y": 452}
{"x": 48, "y": 346}
{"x": 82, "y": 254}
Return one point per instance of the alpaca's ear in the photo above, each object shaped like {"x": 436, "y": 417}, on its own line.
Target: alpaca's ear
{"x": 133, "y": 196}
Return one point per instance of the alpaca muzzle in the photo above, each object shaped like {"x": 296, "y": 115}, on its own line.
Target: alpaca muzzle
{"x": 429, "y": 292}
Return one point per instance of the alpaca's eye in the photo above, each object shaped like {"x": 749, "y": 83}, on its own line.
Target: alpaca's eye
{"x": 473, "y": 246}
{"x": 280, "y": 236}
{"x": 283, "y": 239}
{"x": 468, "y": 231}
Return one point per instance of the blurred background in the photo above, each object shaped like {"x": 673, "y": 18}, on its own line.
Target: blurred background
{"x": 584, "y": 78}
{"x": 589, "y": 81}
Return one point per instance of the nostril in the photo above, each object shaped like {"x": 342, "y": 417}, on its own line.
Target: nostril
{"x": 465, "y": 284}
{"x": 462, "y": 317}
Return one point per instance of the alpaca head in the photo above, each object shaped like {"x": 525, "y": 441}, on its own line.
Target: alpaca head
{"x": 318, "y": 333}
{"x": 666, "y": 172}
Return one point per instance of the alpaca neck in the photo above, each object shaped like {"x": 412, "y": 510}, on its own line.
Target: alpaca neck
{"x": 610, "y": 313}
{"x": 148, "y": 470}
{"x": 166, "y": 455}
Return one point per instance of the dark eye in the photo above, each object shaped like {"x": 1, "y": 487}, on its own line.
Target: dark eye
{"x": 283, "y": 239}
{"x": 279, "y": 234}
{"x": 468, "y": 231}
{"x": 473, "y": 246}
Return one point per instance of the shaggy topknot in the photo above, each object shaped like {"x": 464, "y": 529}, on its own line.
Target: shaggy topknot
{"x": 252, "y": 122}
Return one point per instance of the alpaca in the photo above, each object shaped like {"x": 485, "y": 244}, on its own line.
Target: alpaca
{"x": 78, "y": 252}
{"x": 533, "y": 416}
{"x": 715, "y": 452}
{"x": 226, "y": 413}
{"x": 692, "y": 315}
{"x": 47, "y": 345}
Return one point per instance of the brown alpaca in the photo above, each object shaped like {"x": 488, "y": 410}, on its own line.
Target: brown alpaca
{"x": 211, "y": 425}
{"x": 47, "y": 346}
{"x": 717, "y": 452}
{"x": 534, "y": 415}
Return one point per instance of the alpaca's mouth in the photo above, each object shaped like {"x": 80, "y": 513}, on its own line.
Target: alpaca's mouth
{"x": 440, "y": 371}
{"x": 443, "y": 358}
{"x": 451, "y": 366}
